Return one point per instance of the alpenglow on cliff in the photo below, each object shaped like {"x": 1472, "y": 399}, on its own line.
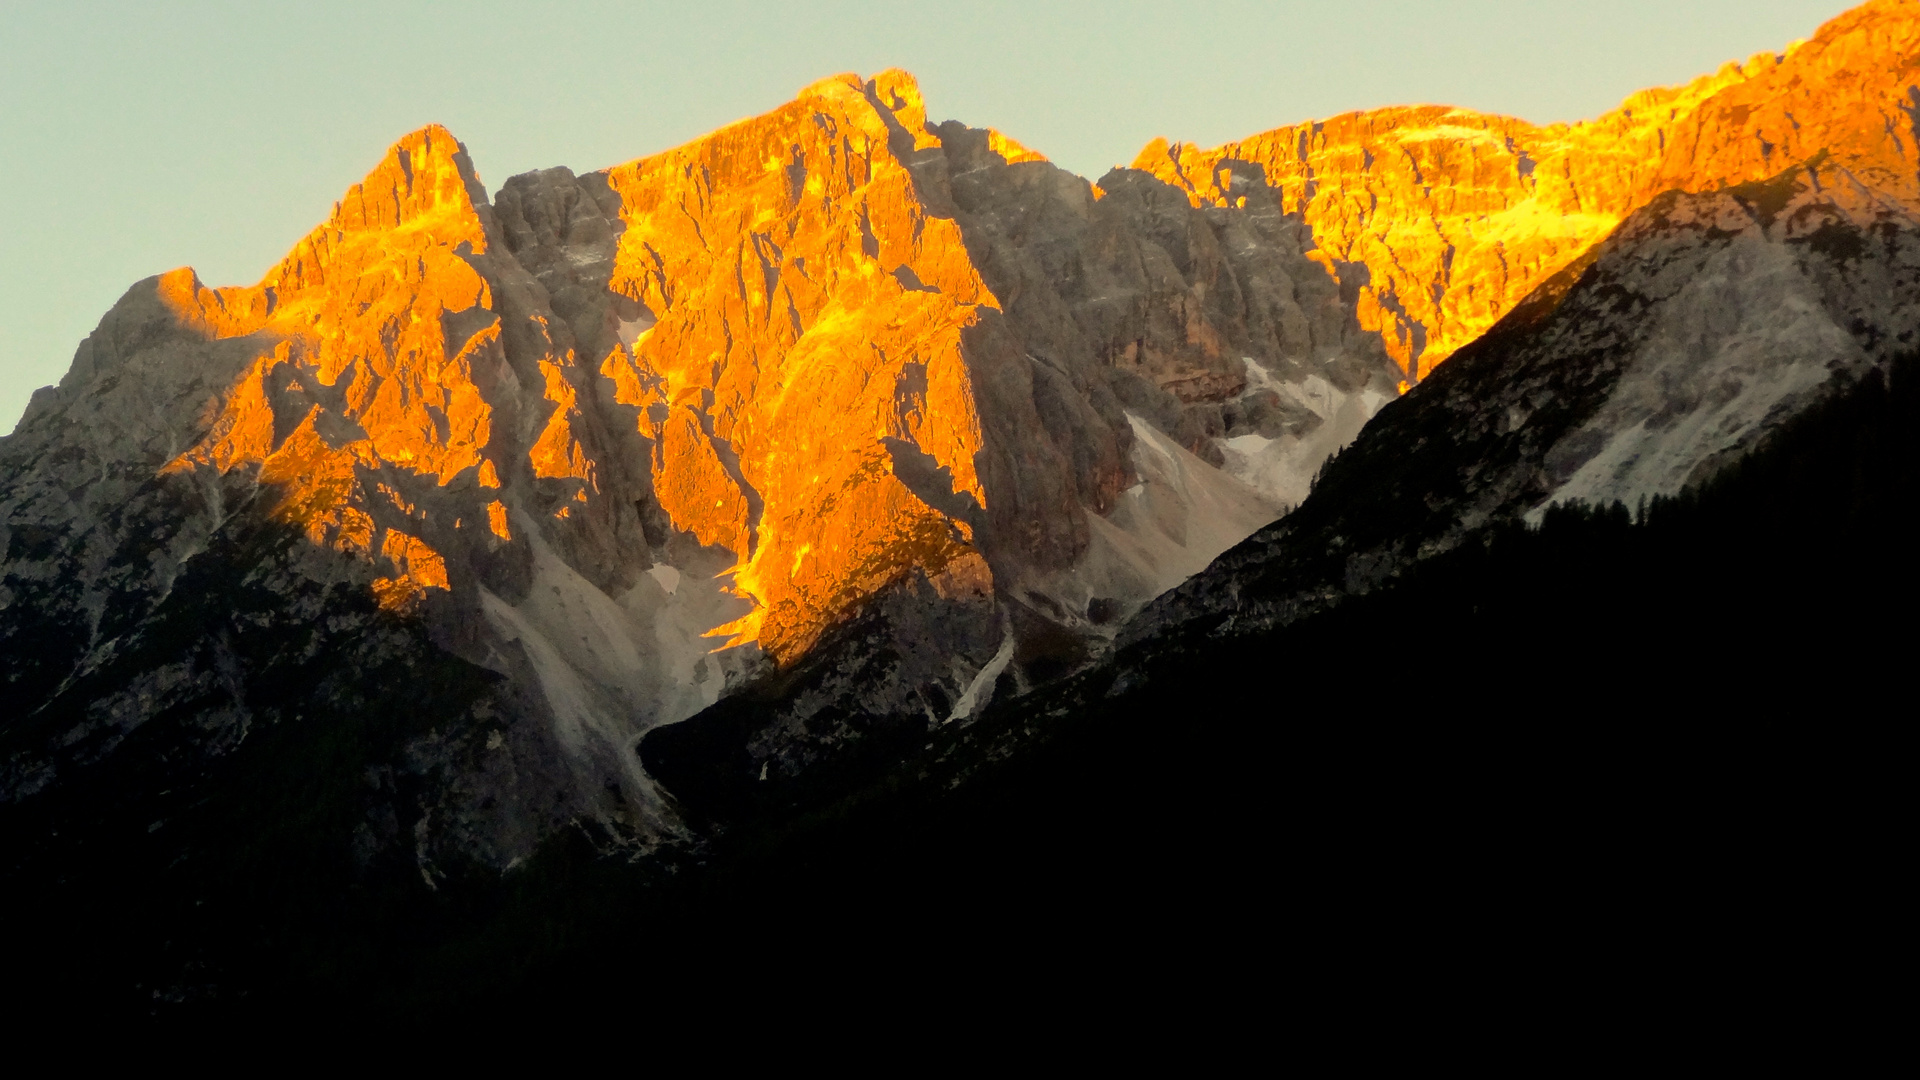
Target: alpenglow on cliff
{"x": 883, "y": 419}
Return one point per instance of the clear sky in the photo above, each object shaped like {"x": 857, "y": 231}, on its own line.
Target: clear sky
{"x": 136, "y": 137}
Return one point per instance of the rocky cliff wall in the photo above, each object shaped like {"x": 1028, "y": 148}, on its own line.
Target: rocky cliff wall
{"x": 882, "y": 417}
{"x": 625, "y": 438}
{"x": 1437, "y": 221}
{"x": 796, "y": 448}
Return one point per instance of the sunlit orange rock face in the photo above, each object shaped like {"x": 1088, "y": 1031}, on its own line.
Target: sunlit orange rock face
{"x": 902, "y": 406}
{"x": 742, "y": 340}
{"x": 358, "y": 372}
{"x": 739, "y": 337}
{"x": 1438, "y": 220}
{"x": 809, "y": 313}
{"x": 412, "y": 390}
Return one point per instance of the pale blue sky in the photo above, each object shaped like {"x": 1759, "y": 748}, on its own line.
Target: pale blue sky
{"x": 136, "y": 137}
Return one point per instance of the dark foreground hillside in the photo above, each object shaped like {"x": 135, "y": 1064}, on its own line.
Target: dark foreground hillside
{"x": 1565, "y": 748}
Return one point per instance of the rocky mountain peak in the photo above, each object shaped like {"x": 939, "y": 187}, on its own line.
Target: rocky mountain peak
{"x": 803, "y": 310}
{"x": 840, "y": 451}
{"x": 363, "y": 402}
{"x": 623, "y": 439}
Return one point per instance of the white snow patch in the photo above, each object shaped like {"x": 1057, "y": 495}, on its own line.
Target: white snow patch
{"x": 1282, "y": 469}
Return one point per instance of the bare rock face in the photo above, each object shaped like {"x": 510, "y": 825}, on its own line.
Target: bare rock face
{"x": 860, "y": 419}
{"x": 1125, "y": 331}
{"x": 609, "y": 444}
{"x": 1437, "y": 221}
{"x": 380, "y": 456}
{"x": 807, "y": 315}
{"x": 713, "y": 483}
{"x": 1123, "y": 305}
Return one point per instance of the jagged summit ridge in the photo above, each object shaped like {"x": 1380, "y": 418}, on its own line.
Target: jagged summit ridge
{"x": 619, "y": 439}
{"x": 362, "y": 373}
{"x": 808, "y": 312}
{"x": 749, "y": 478}
{"x": 1439, "y": 220}
{"x": 894, "y": 411}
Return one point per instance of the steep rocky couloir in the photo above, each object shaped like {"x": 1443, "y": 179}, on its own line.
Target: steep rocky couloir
{"x": 1437, "y": 220}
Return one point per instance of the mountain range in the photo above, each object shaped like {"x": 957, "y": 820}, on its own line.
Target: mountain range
{"x": 849, "y": 510}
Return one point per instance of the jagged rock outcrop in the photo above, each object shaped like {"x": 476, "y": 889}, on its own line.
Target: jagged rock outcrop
{"x": 1437, "y": 221}
{"x": 400, "y": 396}
{"x": 608, "y": 443}
{"x": 807, "y": 317}
{"x": 1126, "y": 329}
{"x": 1214, "y": 323}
